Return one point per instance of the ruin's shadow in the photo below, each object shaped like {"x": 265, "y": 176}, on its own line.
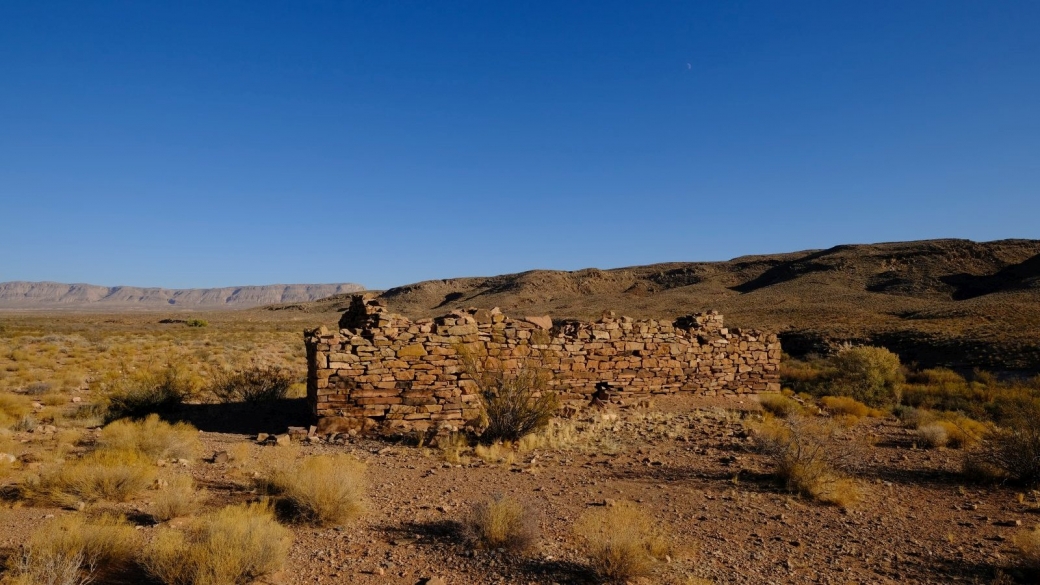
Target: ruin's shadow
{"x": 246, "y": 419}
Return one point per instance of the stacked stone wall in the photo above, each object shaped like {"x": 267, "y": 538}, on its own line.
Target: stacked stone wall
{"x": 410, "y": 375}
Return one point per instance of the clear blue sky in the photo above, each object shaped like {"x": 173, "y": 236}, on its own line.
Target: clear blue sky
{"x": 186, "y": 144}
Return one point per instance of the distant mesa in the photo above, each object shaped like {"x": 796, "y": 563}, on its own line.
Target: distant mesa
{"x": 28, "y": 296}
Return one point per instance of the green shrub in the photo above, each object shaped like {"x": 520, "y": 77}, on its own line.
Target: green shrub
{"x": 871, "y": 375}
{"x": 196, "y": 323}
{"x": 254, "y": 385}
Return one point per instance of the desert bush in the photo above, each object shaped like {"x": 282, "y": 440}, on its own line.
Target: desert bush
{"x": 151, "y": 437}
{"x": 322, "y": 490}
{"x": 99, "y": 475}
{"x": 871, "y": 375}
{"x": 197, "y": 323}
{"x": 515, "y": 403}
{"x": 502, "y": 522}
{"x": 779, "y": 405}
{"x": 235, "y": 545}
{"x": 1013, "y": 447}
{"x": 72, "y": 550}
{"x": 621, "y": 541}
{"x": 176, "y": 498}
{"x": 253, "y": 385}
{"x": 810, "y": 455}
{"x": 149, "y": 393}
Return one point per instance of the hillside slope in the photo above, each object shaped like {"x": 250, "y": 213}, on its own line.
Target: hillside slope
{"x": 57, "y": 296}
{"x": 951, "y": 302}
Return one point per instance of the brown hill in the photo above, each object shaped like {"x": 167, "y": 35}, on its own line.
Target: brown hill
{"x": 937, "y": 302}
{"x": 57, "y": 296}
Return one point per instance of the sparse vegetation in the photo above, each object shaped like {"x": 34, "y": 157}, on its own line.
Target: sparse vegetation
{"x": 321, "y": 490}
{"x": 1013, "y": 448}
{"x": 809, "y": 454}
{"x": 197, "y": 323}
{"x": 254, "y": 385}
{"x": 72, "y": 550}
{"x": 177, "y": 497}
{"x": 138, "y": 396}
{"x": 779, "y": 405}
{"x": 502, "y": 523}
{"x": 622, "y": 542}
{"x": 99, "y": 475}
{"x": 237, "y": 544}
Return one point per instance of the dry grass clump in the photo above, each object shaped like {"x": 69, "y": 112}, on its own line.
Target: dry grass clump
{"x": 254, "y": 385}
{"x": 502, "y": 523}
{"x": 99, "y": 475}
{"x": 809, "y": 455}
{"x": 845, "y": 406}
{"x": 237, "y": 544}
{"x": 152, "y": 438}
{"x": 139, "y": 395}
{"x": 779, "y": 405}
{"x": 13, "y": 409}
{"x": 452, "y": 446}
{"x": 72, "y": 550}
{"x": 951, "y": 430}
{"x": 502, "y": 452}
{"x": 515, "y": 403}
{"x": 176, "y": 498}
{"x": 622, "y": 542}
{"x": 322, "y": 490}
{"x": 1027, "y": 544}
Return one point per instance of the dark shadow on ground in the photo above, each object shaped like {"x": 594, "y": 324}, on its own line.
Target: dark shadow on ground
{"x": 246, "y": 419}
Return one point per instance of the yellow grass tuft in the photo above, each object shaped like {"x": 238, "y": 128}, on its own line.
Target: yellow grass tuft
{"x": 100, "y": 475}
{"x": 177, "y": 497}
{"x": 152, "y": 438}
{"x": 622, "y": 542}
{"x": 322, "y": 490}
{"x": 237, "y": 544}
{"x": 72, "y": 550}
{"x": 502, "y": 523}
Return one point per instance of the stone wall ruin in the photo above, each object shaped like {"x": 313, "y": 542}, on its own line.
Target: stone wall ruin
{"x": 408, "y": 375}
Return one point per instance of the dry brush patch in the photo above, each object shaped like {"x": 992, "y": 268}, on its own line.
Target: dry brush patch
{"x": 322, "y": 489}
{"x": 237, "y": 544}
{"x": 99, "y": 475}
{"x": 73, "y": 550}
{"x": 811, "y": 454}
{"x": 622, "y": 542}
{"x": 502, "y": 523}
{"x": 151, "y": 437}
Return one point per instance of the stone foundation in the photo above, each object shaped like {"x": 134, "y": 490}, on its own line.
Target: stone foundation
{"x": 409, "y": 375}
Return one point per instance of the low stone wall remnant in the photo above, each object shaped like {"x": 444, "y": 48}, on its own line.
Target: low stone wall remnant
{"x": 409, "y": 375}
